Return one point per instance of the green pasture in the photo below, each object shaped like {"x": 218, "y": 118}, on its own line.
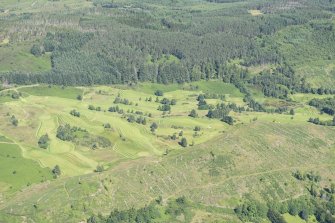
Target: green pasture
{"x": 44, "y": 108}
{"x": 256, "y": 145}
{"x": 257, "y": 158}
{"x": 16, "y": 171}
{"x": 52, "y": 91}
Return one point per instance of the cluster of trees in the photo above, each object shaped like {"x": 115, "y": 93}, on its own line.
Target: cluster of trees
{"x": 326, "y": 105}
{"x": 193, "y": 113}
{"x": 180, "y": 134}
{"x": 68, "y": 133}
{"x": 317, "y": 121}
{"x": 139, "y": 120}
{"x": 119, "y": 100}
{"x": 166, "y": 101}
{"x": 107, "y": 126}
{"x": 43, "y": 141}
{"x": 93, "y": 108}
{"x": 56, "y": 171}
{"x": 183, "y": 142}
{"x": 314, "y": 177}
{"x": 116, "y": 109}
{"x": 36, "y": 50}
{"x": 14, "y": 120}
{"x": 214, "y": 96}
{"x": 147, "y": 214}
{"x": 148, "y": 99}
{"x": 252, "y": 211}
{"x": 16, "y": 95}
{"x": 280, "y": 110}
{"x": 202, "y": 104}
{"x": 164, "y": 108}
{"x": 221, "y": 111}
{"x": 252, "y": 104}
{"x": 159, "y": 93}
{"x": 166, "y": 104}
{"x": 320, "y": 202}
{"x": 12, "y": 94}
{"x": 75, "y": 113}
{"x": 99, "y": 169}
{"x": 323, "y": 208}
{"x": 197, "y": 128}
{"x": 94, "y": 142}
{"x": 82, "y": 136}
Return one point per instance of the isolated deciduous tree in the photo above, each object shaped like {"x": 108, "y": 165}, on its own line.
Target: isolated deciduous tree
{"x": 43, "y": 142}
{"x": 183, "y": 142}
{"x": 36, "y": 50}
{"x": 159, "y": 93}
{"x": 193, "y": 114}
{"x": 292, "y": 111}
{"x": 56, "y": 171}
{"x": 153, "y": 127}
{"x": 197, "y": 128}
{"x": 275, "y": 217}
{"x": 107, "y": 126}
{"x": 99, "y": 169}
{"x": 14, "y": 120}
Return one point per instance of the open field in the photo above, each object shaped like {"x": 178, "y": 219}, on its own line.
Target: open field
{"x": 16, "y": 171}
{"x": 256, "y": 158}
{"x": 259, "y": 146}
{"x": 18, "y": 58}
{"x": 255, "y": 12}
{"x": 39, "y": 115}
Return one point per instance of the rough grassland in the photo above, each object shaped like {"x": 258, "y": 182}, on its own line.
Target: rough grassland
{"x": 16, "y": 171}
{"x": 256, "y": 158}
{"x": 19, "y": 58}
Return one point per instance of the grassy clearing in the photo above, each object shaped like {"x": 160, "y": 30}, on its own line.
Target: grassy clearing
{"x": 255, "y": 12}
{"x": 293, "y": 219}
{"x": 19, "y": 58}
{"x": 53, "y": 91}
{"x": 5, "y": 41}
{"x": 319, "y": 72}
{"x": 3, "y": 139}
{"x": 213, "y": 87}
{"x": 217, "y": 87}
{"x": 16, "y": 171}
{"x": 150, "y": 88}
{"x": 308, "y": 54}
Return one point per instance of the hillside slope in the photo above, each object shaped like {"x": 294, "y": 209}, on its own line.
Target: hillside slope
{"x": 257, "y": 159}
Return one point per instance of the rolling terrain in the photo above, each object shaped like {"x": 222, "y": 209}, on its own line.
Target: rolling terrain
{"x": 167, "y": 111}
